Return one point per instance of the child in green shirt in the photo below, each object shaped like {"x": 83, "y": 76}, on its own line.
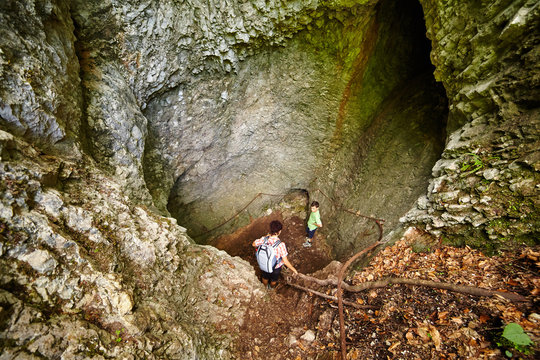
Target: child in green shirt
{"x": 313, "y": 223}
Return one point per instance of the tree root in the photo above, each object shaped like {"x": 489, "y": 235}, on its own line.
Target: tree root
{"x": 330, "y": 297}
{"x": 463, "y": 289}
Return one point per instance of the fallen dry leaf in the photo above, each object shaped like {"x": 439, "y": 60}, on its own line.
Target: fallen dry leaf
{"x": 354, "y": 354}
{"x": 512, "y": 282}
{"x": 422, "y": 331}
{"x": 484, "y": 318}
{"x": 435, "y": 336}
{"x": 409, "y": 336}
{"x": 393, "y": 346}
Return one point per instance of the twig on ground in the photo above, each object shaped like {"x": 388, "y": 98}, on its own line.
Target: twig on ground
{"x": 330, "y": 297}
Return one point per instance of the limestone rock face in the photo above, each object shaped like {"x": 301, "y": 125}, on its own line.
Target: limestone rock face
{"x": 394, "y": 122}
{"x": 115, "y": 127}
{"x": 86, "y": 272}
{"x": 484, "y": 190}
{"x": 185, "y": 66}
{"x": 198, "y": 107}
{"x": 285, "y": 116}
{"x": 115, "y": 111}
{"x": 40, "y": 93}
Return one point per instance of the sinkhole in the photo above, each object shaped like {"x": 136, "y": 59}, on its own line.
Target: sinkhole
{"x": 348, "y": 113}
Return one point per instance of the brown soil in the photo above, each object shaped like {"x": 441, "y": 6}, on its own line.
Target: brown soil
{"x": 305, "y": 260}
{"x": 409, "y": 322}
{"x": 283, "y": 311}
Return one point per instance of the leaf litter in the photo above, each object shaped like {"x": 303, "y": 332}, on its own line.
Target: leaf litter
{"x": 409, "y": 322}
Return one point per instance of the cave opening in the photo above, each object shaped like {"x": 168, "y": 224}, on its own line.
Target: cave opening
{"x": 389, "y": 160}
{"x": 402, "y": 112}
{"x": 391, "y": 115}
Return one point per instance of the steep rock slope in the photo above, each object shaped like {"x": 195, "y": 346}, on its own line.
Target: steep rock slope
{"x": 40, "y": 93}
{"x": 85, "y": 273}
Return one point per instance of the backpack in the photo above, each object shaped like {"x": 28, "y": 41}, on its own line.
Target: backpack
{"x": 266, "y": 255}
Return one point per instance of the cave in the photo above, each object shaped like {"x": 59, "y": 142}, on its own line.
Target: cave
{"x": 349, "y": 108}
{"x": 145, "y": 144}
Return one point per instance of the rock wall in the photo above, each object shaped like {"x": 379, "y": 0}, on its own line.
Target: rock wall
{"x": 112, "y": 111}
{"x": 85, "y": 273}
{"x": 394, "y": 120}
{"x": 40, "y": 93}
{"x": 288, "y": 115}
{"x": 262, "y": 125}
{"x": 484, "y": 190}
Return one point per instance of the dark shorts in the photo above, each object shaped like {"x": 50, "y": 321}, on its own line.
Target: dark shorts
{"x": 273, "y": 276}
{"x": 310, "y": 233}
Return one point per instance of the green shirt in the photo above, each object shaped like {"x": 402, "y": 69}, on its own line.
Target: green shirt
{"x": 314, "y": 218}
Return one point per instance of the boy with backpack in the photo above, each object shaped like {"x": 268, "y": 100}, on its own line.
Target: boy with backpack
{"x": 271, "y": 255}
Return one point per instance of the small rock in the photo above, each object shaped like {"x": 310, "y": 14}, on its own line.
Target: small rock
{"x": 458, "y": 207}
{"x": 291, "y": 340}
{"x": 39, "y": 260}
{"x": 449, "y": 195}
{"x": 50, "y": 201}
{"x": 491, "y": 174}
{"x": 485, "y": 200}
{"x": 422, "y": 202}
{"x": 308, "y": 336}
{"x": 524, "y": 187}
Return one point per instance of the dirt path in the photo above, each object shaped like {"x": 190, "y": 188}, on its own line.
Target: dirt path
{"x": 306, "y": 260}
{"x": 273, "y": 326}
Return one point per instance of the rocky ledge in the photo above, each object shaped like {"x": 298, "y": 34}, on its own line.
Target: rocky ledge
{"x": 87, "y": 274}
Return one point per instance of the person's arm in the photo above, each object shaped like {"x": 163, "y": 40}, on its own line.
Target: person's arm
{"x": 318, "y": 221}
{"x": 289, "y": 265}
{"x": 259, "y": 241}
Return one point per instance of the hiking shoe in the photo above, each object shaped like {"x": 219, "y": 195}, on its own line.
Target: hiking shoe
{"x": 307, "y": 244}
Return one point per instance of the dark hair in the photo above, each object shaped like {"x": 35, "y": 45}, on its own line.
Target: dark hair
{"x": 275, "y": 227}
{"x": 315, "y": 203}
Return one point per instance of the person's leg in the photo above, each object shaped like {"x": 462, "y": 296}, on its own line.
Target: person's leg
{"x": 309, "y": 237}
{"x": 265, "y": 278}
{"x": 274, "y": 277}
